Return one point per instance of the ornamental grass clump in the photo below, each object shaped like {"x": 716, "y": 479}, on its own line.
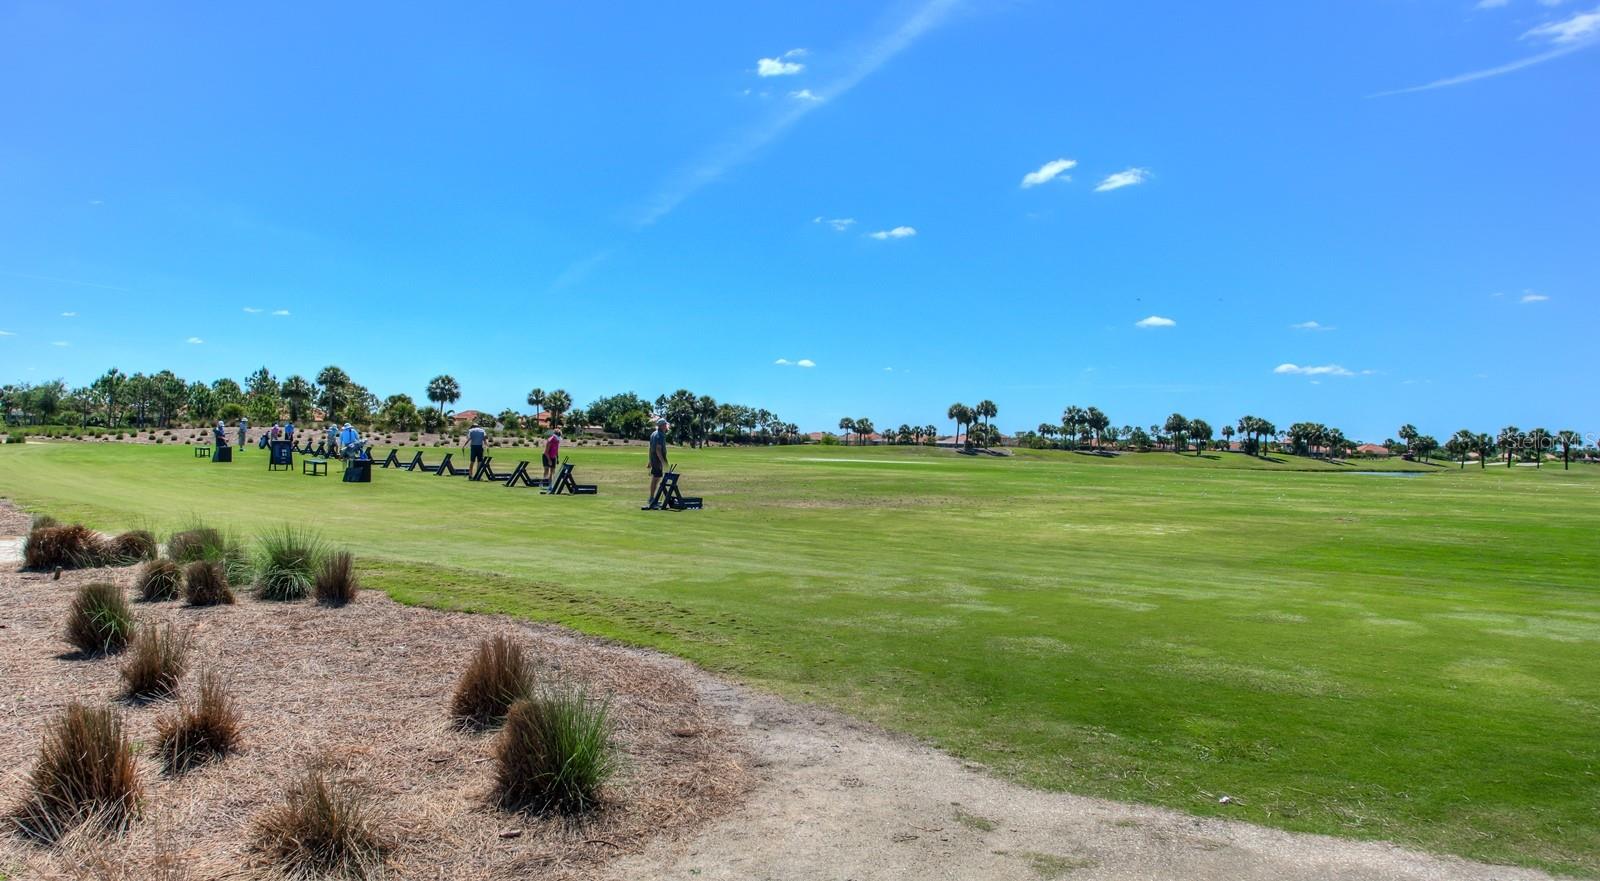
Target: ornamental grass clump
{"x": 99, "y": 621}
{"x": 159, "y": 580}
{"x": 206, "y": 584}
{"x": 156, "y": 662}
{"x": 337, "y": 583}
{"x": 199, "y": 732}
{"x": 323, "y": 827}
{"x": 85, "y": 774}
{"x": 499, "y": 674}
{"x": 287, "y": 561}
{"x": 131, "y": 547}
{"x": 555, "y": 753}
{"x": 69, "y": 547}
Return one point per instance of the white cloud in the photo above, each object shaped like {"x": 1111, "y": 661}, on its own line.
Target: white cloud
{"x": 280, "y": 312}
{"x": 839, "y": 224}
{"x": 1580, "y": 31}
{"x": 782, "y": 362}
{"x": 96, "y": 201}
{"x": 1580, "y": 28}
{"x": 61, "y": 344}
{"x": 6, "y": 333}
{"x": 1311, "y": 325}
{"x": 252, "y": 310}
{"x": 899, "y": 232}
{"x": 1155, "y": 321}
{"x": 69, "y": 315}
{"x": 1123, "y": 179}
{"x": 1492, "y": 4}
{"x": 1048, "y": 172}
{"x": 801, "y": 53}
{"x": 195, "y": 341}
{"x": 741, "y": 145}
{"x": 1324, "y": 370}
{"x": 805, "y": 95}
{"x": 805, "y": 362}
{"x": 1531, "y": 297}
{"x": 778, "y": 67}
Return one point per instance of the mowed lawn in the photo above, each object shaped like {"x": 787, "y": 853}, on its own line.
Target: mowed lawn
{"x": 1408, "y": 658}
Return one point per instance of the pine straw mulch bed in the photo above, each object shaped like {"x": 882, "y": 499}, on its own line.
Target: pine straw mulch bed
{"x": 364, "y": 690}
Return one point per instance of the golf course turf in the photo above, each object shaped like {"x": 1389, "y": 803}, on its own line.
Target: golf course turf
{"x": 1414, "y": 659}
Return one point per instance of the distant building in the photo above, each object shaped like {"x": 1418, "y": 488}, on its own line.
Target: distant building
{"x": 1378, "y": 451}
{"x": 465, "y": 417}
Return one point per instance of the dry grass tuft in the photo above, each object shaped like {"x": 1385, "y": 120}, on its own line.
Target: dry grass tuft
{"x": 323, "y": 827}
{"x": 337, "y": 584}
{"x": 99, "y": 620}
{"x": 159, "y": 580}
{"x": 499, "y": 675}
{"x": 205, "y": 583}
{"x": 159, "y": 657}
{"x": 131, "y": 547}
{"x": 196, "y": 543}
{"x": 199, "y": 732}
{"x": 70, "y": 547}
{"x": 85, "y": 774}
{"x": 555, "y": 753}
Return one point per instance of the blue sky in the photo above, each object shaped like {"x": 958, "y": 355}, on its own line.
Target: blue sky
{"x": 606, "y": 196}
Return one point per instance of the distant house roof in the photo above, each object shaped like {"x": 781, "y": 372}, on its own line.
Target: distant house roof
{"x": 1372, "y": 450}
{"x": 466, "y": 416}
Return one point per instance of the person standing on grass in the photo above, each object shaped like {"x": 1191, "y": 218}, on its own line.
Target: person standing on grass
{"x": 244, "y": 431}
{"x": 475, "y": 438}
{"x": 348, "y": 439}
{"x": 220, "y": 434}
{"x": 288, "y": 430}
{"x": 332, "y": 444}
{"x": 658, "y": 458}
{"x": 552, "y": 449}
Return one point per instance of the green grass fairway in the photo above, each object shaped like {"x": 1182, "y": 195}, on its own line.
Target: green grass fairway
{"x": 1408, "y": 658}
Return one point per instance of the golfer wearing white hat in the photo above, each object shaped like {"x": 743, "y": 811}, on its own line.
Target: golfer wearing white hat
{"x": 658, "y": 457}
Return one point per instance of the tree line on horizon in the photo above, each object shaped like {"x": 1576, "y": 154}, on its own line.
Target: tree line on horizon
{"x": 163, "y": 400}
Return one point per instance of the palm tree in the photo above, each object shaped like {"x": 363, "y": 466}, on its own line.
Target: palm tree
{"x": 847, "y": 425}
{"x": 1461, "y": 443}
{"x": 558, "y": 403}
{"x": 297, "y": 394}
{"x": 337, "y": 392}
{"x": 536, "y": 399}
{"x": 1176, "y": 426}
{"x": 442, "y": 390}
{"x": 1539, "y": 438}
{"x": 1485, "y": 450}
{"x": 1072, "y": 419}
{"x": 987, "y": 410}
{"x": 864, "y": 427}
{"x": 1408, "y": 433}
{"x": 1568, "y": 438}
{"x": 1227, "y": 436}
{"x": 1097, "y": 422}
{"x": 1199, "y": 430}
{"x": 1510, "y": 437}
{"x": 961, "y": 413}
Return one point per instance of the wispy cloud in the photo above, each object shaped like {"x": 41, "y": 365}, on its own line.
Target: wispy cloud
{"x": 783, "y": 362}
{"x": 195, "y": 341}
{"x": 1323, "y": 370}
{"x": 69, "y": 315}
{"x": 1128, "y": 178}
{"x": 839, "y": 224}
{"x": 899, "y": 232}
{"x": 1155, "y": 321}
{"x": 252, "y": 310}
{"x": 1311, "y": 325}
{"x": 805, "y": 362}
{"x": 1048, "y": 172}
{"x": 61, "y": 344}
{"x": 805, "y": 95}
{"x": 1531, "y": 297}
{"x": 1579, "y": 28}
{"x": 280, "y": 312}
{"x": 1573, "y": 34}
{"x": 857, "y": 65}
{"x": 6, "y": 333}
{"x": 579, "y": 270}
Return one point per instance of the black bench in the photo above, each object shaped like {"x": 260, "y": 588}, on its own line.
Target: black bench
{"x": 314, "y": 467}
{"x": 202, "y": 451}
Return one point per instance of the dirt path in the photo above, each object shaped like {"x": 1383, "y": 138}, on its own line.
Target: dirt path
{"x": 837, "y": 799}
